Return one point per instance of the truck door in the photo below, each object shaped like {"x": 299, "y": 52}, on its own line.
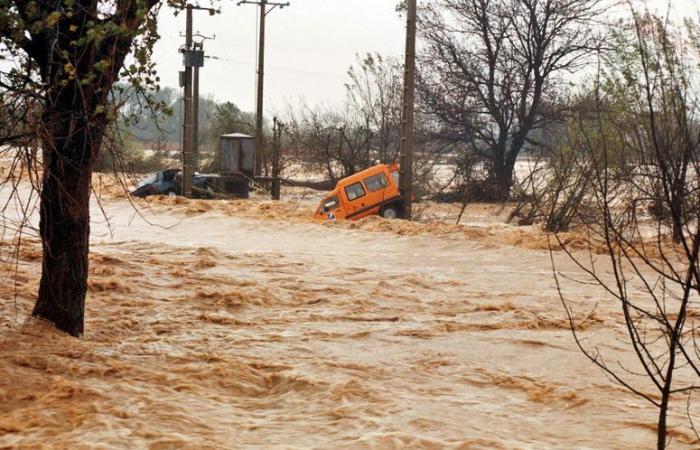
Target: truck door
{"x": 376, "y": 190}
{"x": 356, "y": 198}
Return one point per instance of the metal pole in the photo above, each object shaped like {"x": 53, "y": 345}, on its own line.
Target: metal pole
{"x": 407, "y": 134}
{"x": 188, "y": 127}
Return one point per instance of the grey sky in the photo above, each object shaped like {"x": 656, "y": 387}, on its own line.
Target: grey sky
{"x": 310, "y": 46}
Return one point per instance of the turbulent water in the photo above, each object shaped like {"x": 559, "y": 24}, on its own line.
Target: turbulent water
{"x": 243, "y": 325}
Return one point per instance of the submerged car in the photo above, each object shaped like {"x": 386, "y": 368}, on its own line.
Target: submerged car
{"x": 374, "y": 191}
{"x": 169, "y": 182}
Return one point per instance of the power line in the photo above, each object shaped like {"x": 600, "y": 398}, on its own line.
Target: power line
{"x": 277, "y": 67}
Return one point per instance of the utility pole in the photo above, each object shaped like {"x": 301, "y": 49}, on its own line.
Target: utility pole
{"x": 187, "y": 171}
{"x": 407, "y": 120}
{"x": 195, "y": 115}
{"x": 193, "y": 59}
{"x": 264, "y": 11}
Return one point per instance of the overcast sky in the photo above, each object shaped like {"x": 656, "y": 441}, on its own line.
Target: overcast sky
{"x": 310, "y": 46}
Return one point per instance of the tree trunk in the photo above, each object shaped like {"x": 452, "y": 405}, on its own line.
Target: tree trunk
{"x": 502, "y": 181}
{"x": 677, "y": 216}
{"x": 661, "y": 431}
{"x": 69, "y": 149}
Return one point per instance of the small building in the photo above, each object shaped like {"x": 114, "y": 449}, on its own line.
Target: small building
{"x": 237, "y": 154}
{"x": 236, "y": 165}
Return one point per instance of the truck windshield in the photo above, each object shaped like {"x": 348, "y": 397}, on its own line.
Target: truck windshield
{"x": 330, "y": 203}
{"x": 395, "y": 176}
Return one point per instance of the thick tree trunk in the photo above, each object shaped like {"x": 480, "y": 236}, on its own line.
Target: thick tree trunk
{"x": 79, "y": 53}
{"x": 677, "y": 216}
{"x": 69, "y": 149}
{"x": 502, "y": 181}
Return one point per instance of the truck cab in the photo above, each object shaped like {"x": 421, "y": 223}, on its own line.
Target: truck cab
{"x": 374, "y": 191}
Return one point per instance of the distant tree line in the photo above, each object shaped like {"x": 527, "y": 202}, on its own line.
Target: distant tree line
{"x": 140, "y": 127}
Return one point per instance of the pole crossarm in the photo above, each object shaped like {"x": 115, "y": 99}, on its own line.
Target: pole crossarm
{"x": 203, "y": 37}
{"x": 201, "y": 8}
{"x": 264, "y": 3}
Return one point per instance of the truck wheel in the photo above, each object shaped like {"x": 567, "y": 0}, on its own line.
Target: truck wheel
{"x": 390, "y": 212}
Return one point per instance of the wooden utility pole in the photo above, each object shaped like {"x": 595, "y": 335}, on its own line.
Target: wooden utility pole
{"x": 407, "y": 119}
{"x": 193, "y": 59}
{"x": 259, "y": 139}
{"x": 195, "y": 115}
{"x": 259, "y": 92}
{"x": 187, "y": 170}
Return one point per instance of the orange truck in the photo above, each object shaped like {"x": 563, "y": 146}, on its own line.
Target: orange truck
{"x": 374, "y": 191}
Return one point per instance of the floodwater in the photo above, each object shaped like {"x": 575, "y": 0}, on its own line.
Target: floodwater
{"x": 245, "y": 325}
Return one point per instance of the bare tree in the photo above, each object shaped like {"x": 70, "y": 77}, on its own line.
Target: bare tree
{"x": 340, "y": 140}
{"x": 489, "y": 66}
{"x": 322, "y": 138}
{"x": 374, "y": 94}
{"x": 352, "y": 136}
{"x": 646, "y": 108}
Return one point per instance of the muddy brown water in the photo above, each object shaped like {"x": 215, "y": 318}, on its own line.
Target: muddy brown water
{"x": 239, "y": 328}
